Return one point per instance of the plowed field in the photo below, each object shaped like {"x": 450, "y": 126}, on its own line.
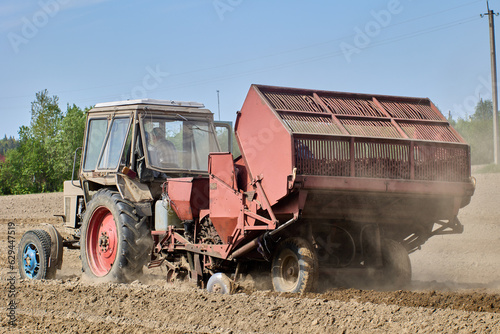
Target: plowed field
{"x": 455, "y": 289}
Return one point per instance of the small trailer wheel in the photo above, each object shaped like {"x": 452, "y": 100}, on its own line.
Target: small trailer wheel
{"x": 34, "y": 255}
{"x": 295, "y": 267}
{"x": 221, "y": 284}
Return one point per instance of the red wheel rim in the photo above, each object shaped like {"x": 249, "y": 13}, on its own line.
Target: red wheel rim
{"x": 101, "y": 241}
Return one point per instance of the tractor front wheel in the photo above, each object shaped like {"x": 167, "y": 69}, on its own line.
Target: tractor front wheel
{"x": 115, "y": 241}
{"x": 34, "y": 254}
{"x": 295, "y": 267}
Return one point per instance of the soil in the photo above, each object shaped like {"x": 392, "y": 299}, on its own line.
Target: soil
{"x": 455, "y": 288}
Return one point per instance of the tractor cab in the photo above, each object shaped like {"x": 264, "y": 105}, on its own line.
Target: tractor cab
{"x": 170, "y": 137}
{"x": 133, "y": 146}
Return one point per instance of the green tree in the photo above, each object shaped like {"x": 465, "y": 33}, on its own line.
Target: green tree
{"x": 478, "y": 132}
{"x": 11, "y": 174}
{"x": 68, "y": 139}
{"x": 39, "y": 141}
{"x": 483, "y": 111}
{"x": 7, "y": 144}
{"x": 43, "y": 158}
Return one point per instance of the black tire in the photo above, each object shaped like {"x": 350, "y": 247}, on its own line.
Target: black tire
{"x": 34, "y": 255}
{"x": 116, "y": 241}
{"x": 295, "y": 267}
{"x": 396, "y": 265}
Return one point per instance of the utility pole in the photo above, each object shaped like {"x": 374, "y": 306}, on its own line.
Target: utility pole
{"x": 491, "y": 17}
{"x": 218, "y": 103}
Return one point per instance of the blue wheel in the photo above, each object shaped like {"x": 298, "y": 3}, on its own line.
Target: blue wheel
{"x": 34, "y": 254}
{"x": 31, "y": 260}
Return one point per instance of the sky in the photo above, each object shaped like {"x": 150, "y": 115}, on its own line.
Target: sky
{"x": 87, "y": 52}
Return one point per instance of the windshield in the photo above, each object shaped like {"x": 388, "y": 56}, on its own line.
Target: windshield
{"x": 179, "y": 144}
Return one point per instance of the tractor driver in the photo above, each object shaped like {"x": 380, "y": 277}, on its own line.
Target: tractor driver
{"x": 164, "y": 151}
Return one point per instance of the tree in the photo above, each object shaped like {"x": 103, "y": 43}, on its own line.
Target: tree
{"x": 7, "y": 144}
{"x": 11, "y": 174}
{"x": 39, "y": 142}
{"x": 478, "y": 132}
{"x": 68, "y": 139}
{"x": 483, "y": 111}
{"x": 43, "y": 158}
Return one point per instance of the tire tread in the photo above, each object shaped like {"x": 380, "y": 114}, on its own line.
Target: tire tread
{"x": 135, "y": 242}
{"x": 43, "y": 238}
{"x": 307, "y": 256}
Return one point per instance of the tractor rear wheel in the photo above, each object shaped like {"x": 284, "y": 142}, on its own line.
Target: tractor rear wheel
{"x": 396, "y": 264}
{"x": 115, "y": 241}
{"x": 294, "y": 267}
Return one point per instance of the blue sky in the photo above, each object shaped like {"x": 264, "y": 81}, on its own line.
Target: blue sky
{"x": 87, "y": 52}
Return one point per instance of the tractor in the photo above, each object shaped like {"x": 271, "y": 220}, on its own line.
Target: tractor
{"x": 328, "y": 185}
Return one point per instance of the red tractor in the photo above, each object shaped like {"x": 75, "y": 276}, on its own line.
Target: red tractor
{"x": 327, "y": 183}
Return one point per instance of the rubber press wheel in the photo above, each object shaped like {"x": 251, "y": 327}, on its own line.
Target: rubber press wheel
{"x": 294, "y": 267}
{"x": 116, "y": 240}
{"x": 221, "y": 284}
{"x": 396, "y": 264}
{"x": 33, "y": 255}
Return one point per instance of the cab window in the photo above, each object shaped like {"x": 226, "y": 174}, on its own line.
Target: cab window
{"x": 115, "y": 143}
{"x": 179, "y": 143}
{"x": 97, "y": 129}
